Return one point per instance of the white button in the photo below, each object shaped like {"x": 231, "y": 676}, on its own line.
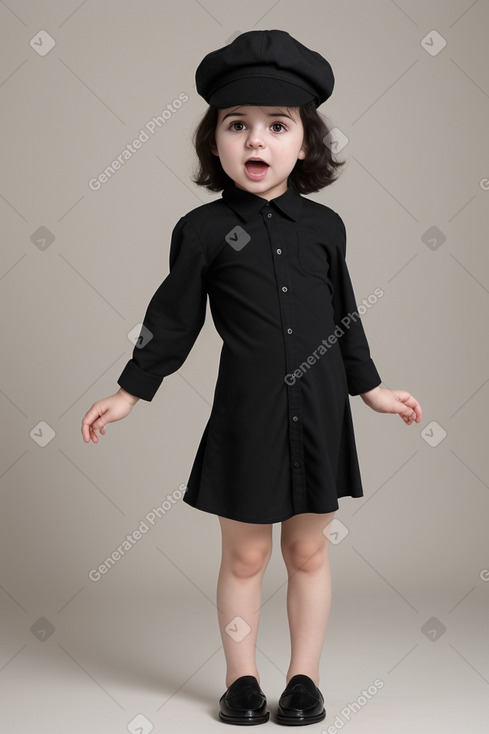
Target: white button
{"x": 279, "y": 252}
{"x": 289, "y": 331}
{"x": 284, "y": 288}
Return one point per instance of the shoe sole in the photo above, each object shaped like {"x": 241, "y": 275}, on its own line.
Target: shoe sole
{"x": 244, "y": 720}
{"x": 300, "y": 720}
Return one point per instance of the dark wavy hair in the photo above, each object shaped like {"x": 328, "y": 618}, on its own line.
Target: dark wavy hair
{"x": 317, "y": 170}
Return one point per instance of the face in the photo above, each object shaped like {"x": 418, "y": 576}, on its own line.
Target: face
{"x": 273, "y": 134}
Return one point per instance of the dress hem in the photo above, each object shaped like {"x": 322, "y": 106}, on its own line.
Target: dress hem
{"x": 265, "y": 522}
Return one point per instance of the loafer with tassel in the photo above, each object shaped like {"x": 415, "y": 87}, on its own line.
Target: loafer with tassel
{"x": 301, "y": 702}
{"x": 244, "y": 703}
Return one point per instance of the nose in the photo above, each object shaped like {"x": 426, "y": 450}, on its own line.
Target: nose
{"x": 255, "y": 138}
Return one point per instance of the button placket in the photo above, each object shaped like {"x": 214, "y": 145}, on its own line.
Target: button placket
{"x": 293, "y": 391}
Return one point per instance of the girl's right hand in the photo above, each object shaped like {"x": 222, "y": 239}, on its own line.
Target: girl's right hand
{"x": 105, "y": 411}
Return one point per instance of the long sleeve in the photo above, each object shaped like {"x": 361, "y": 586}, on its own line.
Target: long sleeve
{"x": 174, "y": 317}
{"x": 360, "y": 369}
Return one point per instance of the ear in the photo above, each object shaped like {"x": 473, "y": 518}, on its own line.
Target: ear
{"x": 302, "y": 153}
{"x": 213, "y": 147}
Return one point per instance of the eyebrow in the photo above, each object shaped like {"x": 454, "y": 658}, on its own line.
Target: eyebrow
{"x": 269, "y": 114}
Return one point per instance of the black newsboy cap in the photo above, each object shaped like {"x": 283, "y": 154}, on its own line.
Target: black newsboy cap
{"x": 264, "y": 68}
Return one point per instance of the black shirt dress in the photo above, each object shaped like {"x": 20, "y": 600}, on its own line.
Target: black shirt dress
{"x": 279, "y": 440}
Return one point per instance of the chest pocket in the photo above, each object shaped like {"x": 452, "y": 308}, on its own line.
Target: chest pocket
{"x": 313, "y": 258}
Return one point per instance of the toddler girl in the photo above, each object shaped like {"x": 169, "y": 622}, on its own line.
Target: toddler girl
{"x": 279, "y": 444}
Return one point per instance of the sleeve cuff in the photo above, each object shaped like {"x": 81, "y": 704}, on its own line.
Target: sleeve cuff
{"x": 138, "y": 382}
{"x": 362, "y": 379}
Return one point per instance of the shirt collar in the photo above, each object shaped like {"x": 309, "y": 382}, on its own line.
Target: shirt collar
{"x": 247, "y": 204}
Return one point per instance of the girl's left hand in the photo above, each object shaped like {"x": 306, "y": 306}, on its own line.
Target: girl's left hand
{"x": 384, "y": 400}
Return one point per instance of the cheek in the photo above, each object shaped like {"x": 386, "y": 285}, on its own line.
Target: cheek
{"x": 225, "y": 145}
{"x": 291, "y": 146}
{"x": 291, "y": 153}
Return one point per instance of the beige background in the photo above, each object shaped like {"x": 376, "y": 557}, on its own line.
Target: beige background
{"x": 144, "y": 638}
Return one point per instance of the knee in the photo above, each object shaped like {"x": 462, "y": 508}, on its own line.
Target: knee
{"x": 246, "y": 563}
{"x": 305, "y": 555}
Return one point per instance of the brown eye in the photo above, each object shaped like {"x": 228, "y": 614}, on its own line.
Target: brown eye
{"x": 278, "y": 124}
{"x": 235, "y": 123}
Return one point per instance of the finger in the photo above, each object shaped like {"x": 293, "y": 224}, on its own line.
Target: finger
{"x": 91, "y": 414}
{"x": 410, "y": 401}
{"x": 86, "y": 431}
{"x": 101, "y": 427}
{"x": 93, "y": 430}
{"x": 407, "y": 414}
{"x": 418, "y": 411}
{"x": 402, "y": 395}
{"x": 88, "y": 421}
{"x": 416, "y": 408}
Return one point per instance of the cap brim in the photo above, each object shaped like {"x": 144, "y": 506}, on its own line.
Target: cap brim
{"x": 261, "y": 91}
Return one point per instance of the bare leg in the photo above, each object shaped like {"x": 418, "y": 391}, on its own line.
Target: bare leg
{"x": 246, "y": 550}
{"x": 305, "y": 549}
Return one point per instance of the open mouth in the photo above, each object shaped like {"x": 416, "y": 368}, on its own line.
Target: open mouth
{"x": 256, "y": 169}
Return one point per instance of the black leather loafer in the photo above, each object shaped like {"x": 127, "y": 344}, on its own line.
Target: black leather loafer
{"x": 301, "y": 703}
{"x": 244, "y": 703}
